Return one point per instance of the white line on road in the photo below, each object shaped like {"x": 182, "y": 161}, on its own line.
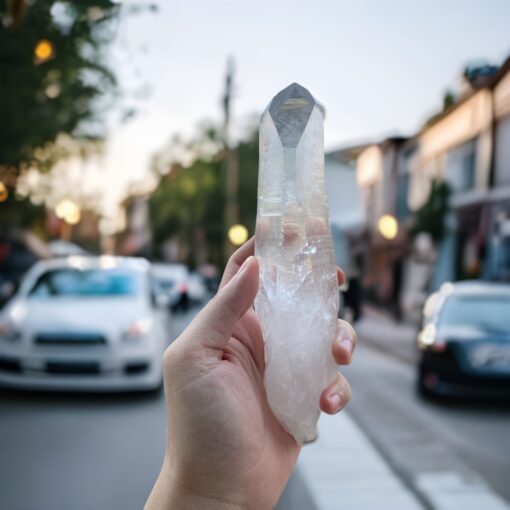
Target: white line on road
{"x": 344, "y": 471}
{"x": 449, "y": 490}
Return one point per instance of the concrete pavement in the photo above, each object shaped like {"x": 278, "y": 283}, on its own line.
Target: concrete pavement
{"x": 95, "y": 452}
{"x": 343, "y": 470}
{"x": 382, "y": 332}
{"x": 452, "y": 454}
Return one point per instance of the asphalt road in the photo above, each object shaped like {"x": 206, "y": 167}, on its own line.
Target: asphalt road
{"x": 83, "y": 452}
{"x": 64, "y": 452}
{"x": 447, "y": 439}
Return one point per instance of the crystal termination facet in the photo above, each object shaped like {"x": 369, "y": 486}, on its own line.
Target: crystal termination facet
{"x": 297, "y": 302}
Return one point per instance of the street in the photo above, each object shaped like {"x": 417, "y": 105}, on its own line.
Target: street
{"x": 423, "y": 439}
{"x": 369, "y": 183}
{"x": 103, "y": 452}
{"x": 86, "y": 451}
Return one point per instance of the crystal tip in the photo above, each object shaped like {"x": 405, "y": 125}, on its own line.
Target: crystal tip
{"x": 290, "y": 110}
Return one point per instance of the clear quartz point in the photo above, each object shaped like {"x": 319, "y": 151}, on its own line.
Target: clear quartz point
{"x": 297, "y": 302}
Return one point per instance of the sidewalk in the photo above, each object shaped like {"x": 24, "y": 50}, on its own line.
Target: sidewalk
{"x": 342, "y": 470}
{"x": 382, "y": 332}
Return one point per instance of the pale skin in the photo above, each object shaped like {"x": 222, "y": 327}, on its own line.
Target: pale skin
{"x": 225, "y": 448}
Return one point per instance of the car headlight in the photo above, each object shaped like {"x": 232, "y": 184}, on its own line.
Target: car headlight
{"x": 137, "y": 329}
{"x": 428, "y": 339}
{"x": 427, "y": 336}
{"x": 9, "y": 332}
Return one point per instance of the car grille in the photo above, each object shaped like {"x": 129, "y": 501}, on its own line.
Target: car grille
{"x": 70, "y": 339}
{"x": 72, "y": 368}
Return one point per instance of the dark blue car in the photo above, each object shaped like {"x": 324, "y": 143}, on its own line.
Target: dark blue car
{"x": 465, "y": 341}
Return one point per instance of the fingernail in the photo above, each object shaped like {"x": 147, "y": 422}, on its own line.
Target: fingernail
{"x": 336, "y": 400}
{"x": 347, "y": 345}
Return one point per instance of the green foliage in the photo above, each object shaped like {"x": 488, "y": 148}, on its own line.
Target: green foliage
{"x": 40, "y": 99}
{"x": 21, "y": 213}
{"x": 430, "y": 217}
{"x": 189, "y": 203}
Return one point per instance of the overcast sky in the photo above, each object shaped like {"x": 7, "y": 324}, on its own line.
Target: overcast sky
{"x": 379, "y": 67}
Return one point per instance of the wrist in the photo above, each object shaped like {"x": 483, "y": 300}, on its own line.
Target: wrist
{"x": 171, "y": 494}
{"x": 183, "y": 500}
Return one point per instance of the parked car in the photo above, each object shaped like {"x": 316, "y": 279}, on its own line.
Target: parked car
{"x": 173, "y": 281}
{"x": 19, "y": 250}
{"x": 465, "y": 341}
{"x": 197, "y": 288}
{"x": 84, "y": 323}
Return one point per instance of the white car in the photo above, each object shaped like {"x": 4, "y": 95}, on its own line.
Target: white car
{"x": 84, "y": 323}
{"x": 173, "y": 281}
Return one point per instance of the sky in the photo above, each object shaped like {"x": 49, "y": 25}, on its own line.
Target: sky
{"x": 379, "y": 67}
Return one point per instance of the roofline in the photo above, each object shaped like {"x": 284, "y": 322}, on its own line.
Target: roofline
{"x": 349, "y": 152}
{"x": 490, "y": 84}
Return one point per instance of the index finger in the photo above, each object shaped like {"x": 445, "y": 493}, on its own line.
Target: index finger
{"x": 237, "y": 259}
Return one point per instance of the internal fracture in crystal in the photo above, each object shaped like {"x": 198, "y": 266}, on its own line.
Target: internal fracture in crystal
{"x": 297, "y": 302}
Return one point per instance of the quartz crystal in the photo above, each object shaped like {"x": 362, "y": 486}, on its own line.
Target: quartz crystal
{"x": 297, "y": 302}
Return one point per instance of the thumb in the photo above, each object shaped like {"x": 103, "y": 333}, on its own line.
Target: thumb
{"x": 214, "y": 324}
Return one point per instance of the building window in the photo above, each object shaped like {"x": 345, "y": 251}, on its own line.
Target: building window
{"x": 503, "y": 152}
{"x": 402, "y": 192}
{"x": 460, "y": 167}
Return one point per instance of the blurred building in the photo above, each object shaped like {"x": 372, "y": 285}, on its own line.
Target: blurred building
{"x": 383, "y": 189}
{"x": 466, "y": 146}
{"x": 346, "y": 213}
{"x": 347, "y": 218}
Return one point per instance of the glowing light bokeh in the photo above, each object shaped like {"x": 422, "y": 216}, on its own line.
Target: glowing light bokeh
{"x": 44, "y": 50}
{"x": 388, "y": 226}
{"x": 237, "y": 234}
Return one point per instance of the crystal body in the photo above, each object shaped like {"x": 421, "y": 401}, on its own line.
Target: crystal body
{"x": 297, "y": 302}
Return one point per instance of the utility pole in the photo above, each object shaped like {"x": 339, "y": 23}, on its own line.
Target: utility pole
{"x": 231, "y": 162}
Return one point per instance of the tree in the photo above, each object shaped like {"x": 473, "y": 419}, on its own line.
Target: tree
{"x": 188, "y": 204}
{"x": 52, "y": 73}
{"x": 53, "y": 82}
{"x": 430, "y": 217}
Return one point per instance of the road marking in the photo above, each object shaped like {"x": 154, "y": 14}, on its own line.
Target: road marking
{"x": 448, "y": 490}
{"x": 343, "y": 470}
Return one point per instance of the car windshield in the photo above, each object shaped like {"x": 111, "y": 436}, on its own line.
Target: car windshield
{"x": 89, "y": 282}
{"x": 490, "y": 313}
{"x": 166, "y": 284}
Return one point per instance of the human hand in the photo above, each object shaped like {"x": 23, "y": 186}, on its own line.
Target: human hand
{"x": 225, "y": 448}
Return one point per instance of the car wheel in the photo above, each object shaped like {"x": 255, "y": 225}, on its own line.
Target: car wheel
{"x": 422, "y": 389}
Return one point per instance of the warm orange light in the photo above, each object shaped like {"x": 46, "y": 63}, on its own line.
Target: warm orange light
{"x": 237, "y": 234}
{"x": 388, "y": 226}
{"x": 44, "y": 50}
{"x": 4, "y": 194}
{"x": 73, "y": 217}
{"x": 68, "y": 211}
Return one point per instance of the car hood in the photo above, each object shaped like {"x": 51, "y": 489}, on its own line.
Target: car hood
{"x": 469, "y": 333}
{"x": 94, "y": 315}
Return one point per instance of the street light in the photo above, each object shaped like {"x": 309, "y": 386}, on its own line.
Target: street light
{"x": 68, "y": 211}
{"x": 388, "y": 226}
{"x": 4, "y": 194}
{"x": 237, "y": 234}
{"x": 44, "y": 50}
